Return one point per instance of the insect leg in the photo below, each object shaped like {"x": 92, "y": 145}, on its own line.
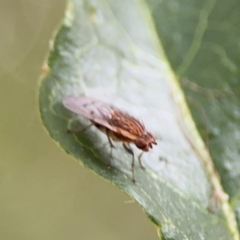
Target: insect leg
{"x": 79, "y": 130}
{"x": 111, "y": 146}
{"x": 130, "y": 151}
{"x": 139, "y": 159}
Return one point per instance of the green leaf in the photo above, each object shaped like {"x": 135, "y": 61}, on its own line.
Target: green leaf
{"x": 111, "y": 51}
{"x": 202, "y": 43}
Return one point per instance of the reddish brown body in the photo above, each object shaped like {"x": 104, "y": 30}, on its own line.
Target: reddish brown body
{"x": 115, "y": 123}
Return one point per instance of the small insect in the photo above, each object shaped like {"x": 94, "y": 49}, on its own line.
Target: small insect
{"x": 115, "y": 123}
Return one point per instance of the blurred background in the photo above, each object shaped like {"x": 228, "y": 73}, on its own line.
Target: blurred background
{"x": 44, "y": 193}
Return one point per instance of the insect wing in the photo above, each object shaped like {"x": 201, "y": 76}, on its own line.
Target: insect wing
{"x": 92, "y": 109}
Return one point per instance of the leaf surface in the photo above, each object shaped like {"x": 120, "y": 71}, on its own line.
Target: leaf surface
{"x": 110, "y": 50}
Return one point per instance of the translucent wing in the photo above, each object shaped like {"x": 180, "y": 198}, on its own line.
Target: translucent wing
{"x": 92, "y": 109}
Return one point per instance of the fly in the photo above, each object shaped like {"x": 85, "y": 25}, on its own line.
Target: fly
{"x": 118, "y": 125}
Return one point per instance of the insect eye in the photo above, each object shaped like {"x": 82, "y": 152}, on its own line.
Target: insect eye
{"x": 141, "y": 143}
